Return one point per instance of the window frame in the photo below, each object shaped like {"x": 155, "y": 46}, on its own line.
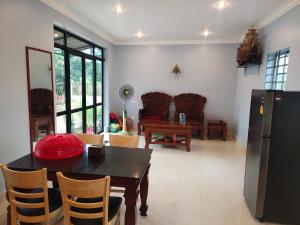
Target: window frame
{"x": 68, "y": 110}
{"x": 273, "y": 82}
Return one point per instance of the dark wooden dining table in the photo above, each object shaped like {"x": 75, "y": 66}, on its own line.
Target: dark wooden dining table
{"x": 127, "y": 167}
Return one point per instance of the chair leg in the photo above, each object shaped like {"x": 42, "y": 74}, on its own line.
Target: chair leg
{"x": 13, "y": 215}
{"x": 202, "y": 131}
{"x": 119, "y": 219}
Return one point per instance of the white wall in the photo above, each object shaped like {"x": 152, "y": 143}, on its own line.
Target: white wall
{"x": 282, "y": 33}
{"x": 28, "y": 23}
{"x": 209, "y": 70}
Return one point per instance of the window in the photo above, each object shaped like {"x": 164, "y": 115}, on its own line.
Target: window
{"x": 79, "y": 83}
{"x": 276, "y": 70}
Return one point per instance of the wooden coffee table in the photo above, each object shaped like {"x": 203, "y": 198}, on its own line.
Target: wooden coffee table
{"x": 171, "y": 131}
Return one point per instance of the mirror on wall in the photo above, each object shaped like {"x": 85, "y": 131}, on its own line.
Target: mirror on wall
{"x": 40, "y": 93}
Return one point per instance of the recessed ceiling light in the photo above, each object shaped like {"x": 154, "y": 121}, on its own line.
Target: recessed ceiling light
{"x": 205, "y": 33}
{"x": 139, "y": 34}
{"x": 119, "y": 8}
{"x": 221, "y": 4}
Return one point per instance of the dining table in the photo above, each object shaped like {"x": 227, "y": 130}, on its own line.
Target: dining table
{"x": 127, "y": 167}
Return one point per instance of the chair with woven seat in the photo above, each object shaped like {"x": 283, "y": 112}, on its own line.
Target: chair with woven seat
{"x": 93, "y": 139}
{"x": 88, "y": 202}
{"x": 30, "y": 200}
{"x": 124, "y": 141}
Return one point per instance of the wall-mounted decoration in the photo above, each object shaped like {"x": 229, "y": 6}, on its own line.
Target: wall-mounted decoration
{"x": 250, "y": 51}
{"x": 176, "y": 69}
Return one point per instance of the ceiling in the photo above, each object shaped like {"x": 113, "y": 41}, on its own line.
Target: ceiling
{"x": 171, "y": 21}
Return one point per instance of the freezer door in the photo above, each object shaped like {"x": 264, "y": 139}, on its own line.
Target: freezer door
{"x": 256, "y": 173}
{"x": 282, "y": 203}
{"x": 261, "y": 112}
{"x": 256, "y": 111}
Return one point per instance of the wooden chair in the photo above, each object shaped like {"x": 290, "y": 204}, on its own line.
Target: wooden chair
{"x": 88, "y": 201}
{"x": 192, "y": 105}
{"x": 156, "y": 107}
{"x": 93, "y": 139}
{"x": 124, "y": 141}
{"x": 30, "y": 199}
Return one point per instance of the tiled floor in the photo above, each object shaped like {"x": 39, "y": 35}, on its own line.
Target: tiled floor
{"x": 201, "y": 187}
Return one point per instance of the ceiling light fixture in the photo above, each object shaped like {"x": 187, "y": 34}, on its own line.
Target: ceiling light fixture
{"x": 221, "y": 4}
{"x": 56, "y": 35}
{"x": 139, "y": 34}
{"x": 205, "y": 33}
{"x": 119, "y": 8}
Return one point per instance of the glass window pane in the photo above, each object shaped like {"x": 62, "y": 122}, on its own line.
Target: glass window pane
{"x": 99, "y": 119}
{"x": 89, "y": 71}
{"x": 279, "y": 86}
{"x": 268, "y": 85}
{"x": 59, "y": 37}
{"x": 98, "y": 52}
{"x": 281, "y": 61}
{"x": 59, "y": 64}
{"x": 76, "y": 81}
{"x": 271, "y": 56}
{"x": 270, "y": 71}
{"x": 76, "y": 122}
{"x": 287, "y": 60}
{"x": 271, "y": 63}
{"x": 90, "y": 121}
{"x": 285, "y": 69}
{"x": 79, "y": 45}
{"x": 280, "y": 69}
{"x": 99, "y": 81}
{"x": 284, "y": 86}
{"x": 284, "y": 78}
{"x": 269, "y": 78}
{"x": 279, "y": 78}
{"x": 61, "y": 126}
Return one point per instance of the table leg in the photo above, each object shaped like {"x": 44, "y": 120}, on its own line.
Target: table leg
{"x": 224, "y": 133}
{"x": 147, "y": 139}
{"x": 131, "y": 194}
{"x": 144, "y": 192}
{"x": 202, "y": 133}
{"x": 139, "y": 128}
{"x": 188, "y": 141}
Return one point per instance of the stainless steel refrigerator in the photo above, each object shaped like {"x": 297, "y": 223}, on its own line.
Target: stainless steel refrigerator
{"x": 272, "y": 173}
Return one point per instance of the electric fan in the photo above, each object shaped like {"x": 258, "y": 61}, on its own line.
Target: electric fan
{"x": 126, "y": 92}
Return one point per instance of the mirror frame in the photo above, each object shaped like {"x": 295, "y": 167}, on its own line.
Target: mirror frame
{"x": 28, "y": 88}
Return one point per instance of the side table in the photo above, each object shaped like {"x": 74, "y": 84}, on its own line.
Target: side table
{"x": 216, "y": 125}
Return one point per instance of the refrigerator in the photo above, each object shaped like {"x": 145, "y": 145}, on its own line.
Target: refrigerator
{"x": 272, "y": 171}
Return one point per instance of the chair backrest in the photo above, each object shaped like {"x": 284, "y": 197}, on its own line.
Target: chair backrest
{"x": 27, "y": 190}
{"x": 93, "y": 139}
{"x": 41, "y": 101}
{"x": 156, "y": 103}
{"x": 72, "y": 190}
{"x": 190, "y": 104}
{"x": 124, "y": 141}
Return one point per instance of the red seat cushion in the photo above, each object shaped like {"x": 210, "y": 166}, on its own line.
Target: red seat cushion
{"x": 152, "y": 117}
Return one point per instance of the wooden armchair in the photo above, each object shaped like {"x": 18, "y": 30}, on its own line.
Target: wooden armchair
{"x": 156, "y": 106}
{"x": 192, "y": 105}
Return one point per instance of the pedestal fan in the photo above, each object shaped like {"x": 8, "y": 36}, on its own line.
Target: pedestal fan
{"x": 126, "y": 92}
